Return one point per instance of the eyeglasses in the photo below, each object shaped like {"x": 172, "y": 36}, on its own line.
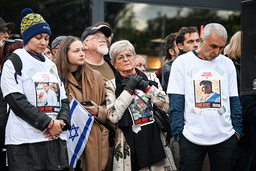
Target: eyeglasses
{"x": 3, "y": 31}
{"x": 98, "y": 38}
{"x": 127, "y": 56}
{"x": 112, "y": 35}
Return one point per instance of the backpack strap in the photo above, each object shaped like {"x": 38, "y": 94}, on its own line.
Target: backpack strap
{"x": 17, "y": 63}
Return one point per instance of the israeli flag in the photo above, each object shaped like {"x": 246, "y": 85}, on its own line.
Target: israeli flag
{"x": 77, "y": 137}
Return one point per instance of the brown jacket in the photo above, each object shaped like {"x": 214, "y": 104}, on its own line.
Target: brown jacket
{"x": 95, "y": 155}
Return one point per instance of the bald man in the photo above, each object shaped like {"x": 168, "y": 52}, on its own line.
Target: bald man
{"x": 140, "y": 63}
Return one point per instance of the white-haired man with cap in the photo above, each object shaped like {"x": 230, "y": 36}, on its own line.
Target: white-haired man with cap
{"x": 109, "y": 39}
{"x": 96, "y": 46}
{"x": 5, "y": 29}
{"x": 205, "y": 127}
{"x": 94, "y": 40}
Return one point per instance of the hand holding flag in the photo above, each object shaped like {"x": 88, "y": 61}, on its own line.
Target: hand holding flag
{"x": 81, "y": 124}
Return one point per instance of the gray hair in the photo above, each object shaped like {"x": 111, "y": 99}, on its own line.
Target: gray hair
{"x": 120, "y": 46}
{"x": 214, "y": 27}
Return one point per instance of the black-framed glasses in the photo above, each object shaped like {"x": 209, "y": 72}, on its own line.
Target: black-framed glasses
{"x": 112, "y": 35}
{"x": 98, "y": 38}
{"x": 3, "y": 31}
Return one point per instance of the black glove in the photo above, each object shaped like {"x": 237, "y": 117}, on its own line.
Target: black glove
{"x": 132, "y": 82}
{"x": 143, "y": 85}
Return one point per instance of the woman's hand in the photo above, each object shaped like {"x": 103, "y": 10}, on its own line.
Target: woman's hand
{"x": 93, "y": 110}
{"x": 131, "y": 83}
{"x": 54, "y": 129}
{"x": 143, "y": 85}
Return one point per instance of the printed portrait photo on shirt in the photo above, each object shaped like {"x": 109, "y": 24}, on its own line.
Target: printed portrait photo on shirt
{"x": 47, "y": 94}
{"x": 207, "y": 93}
{"x": 140, "y": 109}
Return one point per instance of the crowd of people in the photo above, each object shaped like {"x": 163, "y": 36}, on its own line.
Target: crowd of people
{"x": 212, "y": 125}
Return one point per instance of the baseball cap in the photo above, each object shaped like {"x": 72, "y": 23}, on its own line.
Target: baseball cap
{"x": 57, "y": 41}
{"x": 92, "y": 29}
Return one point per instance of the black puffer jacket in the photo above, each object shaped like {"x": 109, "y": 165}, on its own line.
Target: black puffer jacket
{"x": 32, "y": 115}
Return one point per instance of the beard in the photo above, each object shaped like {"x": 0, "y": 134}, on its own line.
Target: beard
{"x": 102, "y": 50}
{"x": 2, "y": 42}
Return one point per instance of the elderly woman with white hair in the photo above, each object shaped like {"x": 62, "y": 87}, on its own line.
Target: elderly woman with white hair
{"x": 130, "y": 97}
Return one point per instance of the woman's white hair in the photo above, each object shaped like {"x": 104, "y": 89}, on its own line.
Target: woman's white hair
{"x": 216, "y": 28}
{"x": 120, "y": 46}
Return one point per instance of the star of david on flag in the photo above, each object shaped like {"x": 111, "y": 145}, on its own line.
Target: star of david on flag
{"x": 73, "y": 132}
{"x": 81, "y": 121}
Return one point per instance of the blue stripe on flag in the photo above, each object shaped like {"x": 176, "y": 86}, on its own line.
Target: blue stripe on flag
{"x": 80, "y": 141}
{"x": 73, "y": 108}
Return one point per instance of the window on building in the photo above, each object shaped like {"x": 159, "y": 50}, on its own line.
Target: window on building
{"x": 145, "y": 25}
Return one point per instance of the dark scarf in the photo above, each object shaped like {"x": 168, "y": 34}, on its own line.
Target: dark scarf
{"x": 38, "y": 56}
{"x": 146, "y": 146}
{"x": 181, "y": 52}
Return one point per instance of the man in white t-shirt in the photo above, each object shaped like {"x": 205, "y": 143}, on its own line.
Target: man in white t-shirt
{"x": 200, "y": 126}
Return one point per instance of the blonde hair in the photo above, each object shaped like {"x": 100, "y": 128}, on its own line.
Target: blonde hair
{"x": 235, "y": 46}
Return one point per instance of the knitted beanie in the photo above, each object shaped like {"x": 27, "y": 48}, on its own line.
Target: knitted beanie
{"x": 32, "y": 24}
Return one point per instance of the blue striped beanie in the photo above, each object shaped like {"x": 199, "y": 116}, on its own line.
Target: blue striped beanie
{"x": 32, "y": 24}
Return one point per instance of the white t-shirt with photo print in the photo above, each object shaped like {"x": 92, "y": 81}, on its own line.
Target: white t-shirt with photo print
{"x": 204, "y": 123}
{"x": 19, "y": 131}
